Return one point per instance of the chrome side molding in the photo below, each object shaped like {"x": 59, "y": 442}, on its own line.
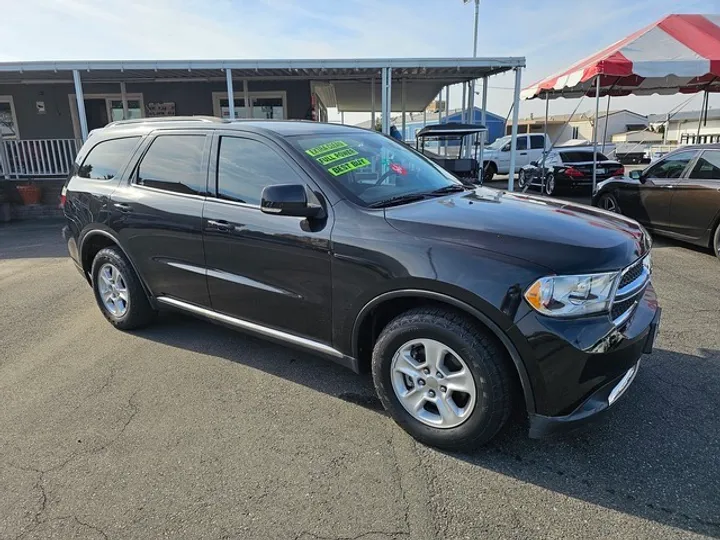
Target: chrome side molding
{"x": 251, "y": 326}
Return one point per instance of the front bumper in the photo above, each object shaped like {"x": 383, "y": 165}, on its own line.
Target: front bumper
{"x": 580, "y": 367}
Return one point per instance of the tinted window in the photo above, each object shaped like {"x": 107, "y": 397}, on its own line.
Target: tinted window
{"x": 105, "y": 159}
{"x": 670, "y": 167}
{"x": 537, "y": 141}
{"x": 707, "y": 166}
{"x": 246, "y": 166}
{"x": 579, "y": 157}
{"x": 174, "y": 163}
{"x": 521, "y": 143}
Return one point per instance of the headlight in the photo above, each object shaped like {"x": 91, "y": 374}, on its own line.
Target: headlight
{"x": 572, "y": 296}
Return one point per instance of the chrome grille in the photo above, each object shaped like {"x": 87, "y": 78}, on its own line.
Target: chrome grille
{"x": 630, "y": 289}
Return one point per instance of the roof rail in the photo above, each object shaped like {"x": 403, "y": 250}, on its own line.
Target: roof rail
{"x": 210, "y": 119}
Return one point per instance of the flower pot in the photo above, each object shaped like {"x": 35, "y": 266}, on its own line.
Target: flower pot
{"x": 29, "y": 194}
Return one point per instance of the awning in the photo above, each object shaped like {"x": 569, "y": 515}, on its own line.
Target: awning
{"x": 342, "y": 83}
{"x": 677, "y": 54}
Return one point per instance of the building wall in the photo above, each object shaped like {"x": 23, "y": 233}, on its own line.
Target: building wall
{"x": 191, "y": 98}
{"x": 677, "y": 128}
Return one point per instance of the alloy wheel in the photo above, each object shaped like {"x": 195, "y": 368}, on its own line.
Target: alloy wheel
{"x": 609, "y": 204}
{"x": 433, "y": 383}
{"x": 113, "y": 290}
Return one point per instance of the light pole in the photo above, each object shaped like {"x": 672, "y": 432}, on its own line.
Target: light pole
{"x": 471, "y": 104}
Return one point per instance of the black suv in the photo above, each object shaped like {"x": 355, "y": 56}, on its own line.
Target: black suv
{"x": 461, "y": 301}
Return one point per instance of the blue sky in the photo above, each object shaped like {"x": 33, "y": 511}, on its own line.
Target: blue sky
{"x": 551, "y": 34}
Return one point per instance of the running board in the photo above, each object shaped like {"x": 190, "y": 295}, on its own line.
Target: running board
{"x": 265, "y": 331}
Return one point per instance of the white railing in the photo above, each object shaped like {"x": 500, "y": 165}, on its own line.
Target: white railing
{"x": 37, "y": 157}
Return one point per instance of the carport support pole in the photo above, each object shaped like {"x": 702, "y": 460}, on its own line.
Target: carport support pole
{"x": 595, "y": 132}
{"x": 230, "y": 93}
{"x": 514, "y": 132}
{"x": 402, "y": 99}
{"x": 483, "y": 118}
{"x": 386, "y": 100}
{"x": 463, "y": 118}
{"x": 123, "y": 97}
{"x": 372, "y": 103}
{"x": 246, "y": 99}
{"x": 80, "y": 104}
{"x": 545, "y": 148}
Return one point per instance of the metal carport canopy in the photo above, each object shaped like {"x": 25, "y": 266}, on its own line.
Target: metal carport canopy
{"x": 342, "y": 83}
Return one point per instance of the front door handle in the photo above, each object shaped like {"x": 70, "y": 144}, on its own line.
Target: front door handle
{"x": 219, "y": 225}
{"x": 123, "y": 207}
{"x": 523, "y": 153}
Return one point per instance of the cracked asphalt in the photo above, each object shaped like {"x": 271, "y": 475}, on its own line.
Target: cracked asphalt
{"x": 190, "y": 430}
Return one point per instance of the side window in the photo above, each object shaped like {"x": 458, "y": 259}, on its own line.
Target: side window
{"x": 670, "y": 167}
{"x": 707, "y": 166}
{"x": 246, "y": 166}
{"x": 174, "y": 163}
{"x": 105, "y": 159}
{"x": 537, "y": 141}
{"x": 522, "y": 142}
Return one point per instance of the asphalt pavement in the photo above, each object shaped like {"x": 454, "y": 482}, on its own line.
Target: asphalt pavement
{"x": 190, "y": 430}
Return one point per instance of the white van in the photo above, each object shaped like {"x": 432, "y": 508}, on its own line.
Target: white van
{"x": 496, "y": 156}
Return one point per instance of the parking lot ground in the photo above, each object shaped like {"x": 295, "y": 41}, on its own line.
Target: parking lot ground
{"x": 190, "y": 430}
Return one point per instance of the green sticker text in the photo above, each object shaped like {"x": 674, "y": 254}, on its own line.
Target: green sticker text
{"x": 327, "y": 147}
{"x": 348, "y": 166}
{"x": 336, "y": 156}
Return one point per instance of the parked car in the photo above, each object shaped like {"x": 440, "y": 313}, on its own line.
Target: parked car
{"x": 462, "y": 302}
{"x": 677, "y": 196}
{"x": 569, "y": 168}
{"x": 496, "y": 156}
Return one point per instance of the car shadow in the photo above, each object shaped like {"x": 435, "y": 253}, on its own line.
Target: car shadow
{"x": 32, "y": 239}
{"x": 656, "y": 455}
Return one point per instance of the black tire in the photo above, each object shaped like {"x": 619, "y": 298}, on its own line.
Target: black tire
{"x": 522, "y": 179}
{"x": 138, "y": 311}
{"x": 608, "y": 202}
{"x": 489, "y": 172}
{"x": 486, "y": 361}
{"x": 716, "y": 241}
{"x": 550, "y": 187}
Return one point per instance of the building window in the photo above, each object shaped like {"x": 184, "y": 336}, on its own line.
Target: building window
{"x": 8, "y": 119}
{"x": 575, "y": 132}
{"x": 263, "y": 105}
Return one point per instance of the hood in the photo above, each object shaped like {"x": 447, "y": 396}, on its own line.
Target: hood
{"x": 564, "y": 237}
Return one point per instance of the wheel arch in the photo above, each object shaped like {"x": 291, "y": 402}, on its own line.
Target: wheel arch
{"x": 401, "y": 300}
{"x": 95, "y": 240}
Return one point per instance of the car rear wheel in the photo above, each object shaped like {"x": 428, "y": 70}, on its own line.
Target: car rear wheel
{"x": 716, "y": 241}
{"x": 442, "y": 379}
{"x": 118, "y": 291}
{"x": 609, "y": 202}
{"x": 549, "y": 184}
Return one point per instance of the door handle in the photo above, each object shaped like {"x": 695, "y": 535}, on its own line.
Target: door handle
{"x": 669, "y": 186}
{"x": 123, "y": 207}
{"x": 219, "y": 225}
{"x": 523, "y": 153}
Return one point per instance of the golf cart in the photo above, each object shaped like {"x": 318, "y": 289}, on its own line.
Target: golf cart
{"x": 449, "y": 143}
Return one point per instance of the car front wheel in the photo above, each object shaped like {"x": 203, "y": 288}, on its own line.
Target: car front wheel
{"x": 442, "y": 379}
{"x": 716, "y": 241}
{"x": 118, "y": 291}
{"x": 608, "y": 202}
{"x": 522, "y": 179}
{"x": 550, "y": 184}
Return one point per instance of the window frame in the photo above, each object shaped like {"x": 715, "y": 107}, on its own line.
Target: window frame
{"x": 9, "y": 100}
{"x": 150, "y": 139}
{"x": 541, "y": 138}
{"x": 688, "y": 177}
{"x": 123, "y": 167}
{"x": 688, "y": 166}
{"x": 303, "y": 176}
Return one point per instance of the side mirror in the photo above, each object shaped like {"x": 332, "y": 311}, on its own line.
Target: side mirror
{"x": 534, "y": 163}
{"x": 505, "y": 148}
{"x": 635, "y": 175}
{"x": 288, "y": 200}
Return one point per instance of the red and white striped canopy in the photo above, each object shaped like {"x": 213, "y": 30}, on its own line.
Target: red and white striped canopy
{"x": 679, "y": 53}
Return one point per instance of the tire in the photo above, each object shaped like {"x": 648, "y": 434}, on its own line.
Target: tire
{"x": 522, "y": 179}
{"x": 608, "y": 202}
{"x": 716, "y": 241}
{"x": 550, "y": 185}
{"x": 485, "y": 407}
{"x": 113, "y": 276}
{"x": 489, "y": 172}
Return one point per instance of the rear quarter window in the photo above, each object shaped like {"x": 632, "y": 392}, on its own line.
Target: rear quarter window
{"x": 579, "y": 157}
{"x": 107, "y": 158}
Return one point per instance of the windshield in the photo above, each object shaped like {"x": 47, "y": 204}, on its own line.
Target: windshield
{"x": 373, "y": 169}
{"x": 499, "y": 143}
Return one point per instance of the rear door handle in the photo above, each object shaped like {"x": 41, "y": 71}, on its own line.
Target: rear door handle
{"x": 219, "y": 225}
{"x": 523, "y": 153}
{"x": 123, "y": 207}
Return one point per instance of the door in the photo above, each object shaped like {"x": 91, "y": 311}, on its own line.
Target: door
{"x": 696, "y": 200}
{"x": 521, "y": 155}
{"x": 537, "y": 147}
{"x": 158, "y": 215}
{"x": 267, "y": 269}
{"x": 649, "y": 200}
{"x": 96, "y": 113}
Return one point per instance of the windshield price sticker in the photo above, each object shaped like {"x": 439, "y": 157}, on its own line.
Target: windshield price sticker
{"x": 336, "y": 156}
{"x": 348, "y": 166}
{"x": 327, "y": 147}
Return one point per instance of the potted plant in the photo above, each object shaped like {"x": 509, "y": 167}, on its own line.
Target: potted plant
{"x": 30, "y": 193}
